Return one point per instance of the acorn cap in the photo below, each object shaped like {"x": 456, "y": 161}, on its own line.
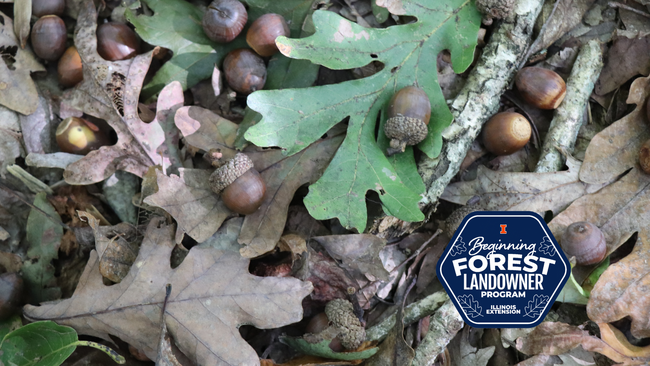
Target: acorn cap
{"x": 404, "y": 131}
{"x": 456, "y": 218}
{"x": 341, "y": 313}
{"x": 229, "y": 172}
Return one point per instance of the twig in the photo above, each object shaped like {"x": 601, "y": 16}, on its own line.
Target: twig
{"x": 613, "y": 4}
{"x": 445, "y": 323}
{"x": 567, "y": 119}
{"x": 412, "y": 313}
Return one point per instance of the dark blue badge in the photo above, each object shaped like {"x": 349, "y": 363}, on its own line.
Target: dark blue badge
{"x": 503, "y": 269}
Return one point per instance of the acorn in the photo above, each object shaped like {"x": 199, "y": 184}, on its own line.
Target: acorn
{"x": 584, "y": 241}
{"x": 48, "y": 37}
{"x": 318, "y": 324}
{"x": 116, "y": 41}
{"x": 224, "y": 20}
{"x": 506, "y": 133}
{"x": 244, "y": 70}
{"x": 263, "y": 32}
{"x": 69, "y": 69}
{"x": 409, "y": 111}
{"x": 540, "y": 87}
{"x": 644, "y": 157}
{"x": 47, "y": 7}
{"x": 241, "y": 187}
{"x": 78, "y": 136}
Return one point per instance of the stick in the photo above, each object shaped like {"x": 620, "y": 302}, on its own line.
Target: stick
{"x": 567, "y": 119}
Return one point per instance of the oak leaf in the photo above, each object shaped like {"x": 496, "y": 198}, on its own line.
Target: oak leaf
{"x": 110, "y": 91}
{"x": 212, "y": 295}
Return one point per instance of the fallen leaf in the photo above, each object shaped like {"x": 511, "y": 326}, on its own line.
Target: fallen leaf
{"x": 110, "y": 91}
{"x": 44, "y": 237}
{"x": 209, "y": 287}
{"x": 464, "y": 354}
{"x": 626, "y": 58}
{"x": 622, "y": 290}
{"x": 357, "y": 253}
{"x": 615, "y": 149}
{"x": 37, "y": 128}
{"x": 283, "y": 176}
{"x": 555, "y": 338}
{"x": 206, "y": 130}
{"x": 10, "y": 138}
{"x": 568, "y": 14}
{"x": 537, "y": 192}
{"x": 17, "y": 89}
{"x": 188, "y": 197}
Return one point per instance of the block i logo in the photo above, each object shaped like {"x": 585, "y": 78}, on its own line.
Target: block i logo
{"x": 503, "y": 269}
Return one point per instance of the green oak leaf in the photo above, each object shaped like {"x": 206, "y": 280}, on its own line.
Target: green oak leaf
{"x": 176, "y": 24}
{"x": 294, "y": 118}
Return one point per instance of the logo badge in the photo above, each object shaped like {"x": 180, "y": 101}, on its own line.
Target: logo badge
{"x": 503, "y": 269}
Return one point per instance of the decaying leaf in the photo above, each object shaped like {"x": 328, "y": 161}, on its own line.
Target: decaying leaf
{"x": 110, "y": 90}
{"x": 198, "y": 211}
{"x": 17, "y": 89}
{"x": 283, "y": 176}
{"x": 537, "y": 192}
{"x": 359, "y": 254}
{"x": 464, "y": 354}
{"x": 10, "y": 146}
{"x": 210, "y": 287}
{"x": 206, "y": 130}
{"x": 628, "y": 57}
{"x": 615, "y": 149}
{"x": 555, "y": 338}
{"x": 44, "y": 237}
{"x": 622, "y": 290}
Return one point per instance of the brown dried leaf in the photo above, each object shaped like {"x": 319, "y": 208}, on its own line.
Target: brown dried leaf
{"x": 210, "y": 287}
{"x": 17, "y": 89}
{"x": 206, "y": 130}
{"x": 283, "y": 176}
{"x": 615, "y": 149}
{"x": 619, "y": 210}
{"x": 22, "y": 16}
{"x": 110, "y": 90}
{"x": 198, "y": 211}
{"x": 622, "y": 290}
{"x": 567, "y": 15}
{"x": 358, "y": 254}
{"x": 617, "y": 340}
{"x": 536, "y": 192}
{"x": 626, "y": 58}
{"x": 555, "y": 338}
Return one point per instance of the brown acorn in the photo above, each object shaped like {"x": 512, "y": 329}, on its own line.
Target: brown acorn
{"x": 47, "y": 7}
{"x": 409, "y": 111}
{"x": 69, "y": 69}
{"x": 224, "y": 20}
{"x": 540, "y": 87}
{"x": 506, "y": 133}
{"x": 241, "y": 187}
{"x": 584, "y": 241}
{"x": 48, "y": 37}
{"x": 79, "y": 136}
{"x": 263, "y": 32}
{"x": 116, "y": 41}
{"x": 244, "y": 70}
{"x": 644, "y": 157}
